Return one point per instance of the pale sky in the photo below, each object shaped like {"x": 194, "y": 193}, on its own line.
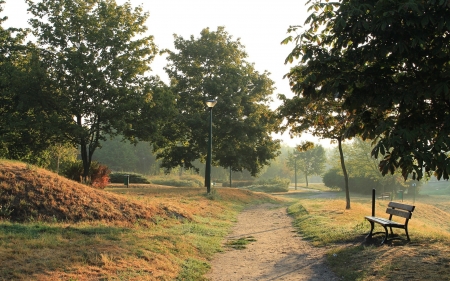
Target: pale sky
{"x": 261, "y": 26}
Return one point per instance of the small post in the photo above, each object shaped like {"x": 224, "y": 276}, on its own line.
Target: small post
{"x": 126, "y": 180}
{"x": 373, "y": 202}
{"x": 230, "y": 176}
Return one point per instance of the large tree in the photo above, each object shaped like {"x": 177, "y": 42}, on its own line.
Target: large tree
{"x": 214, "y": 66}
{"x": 389, "y": 64}
{"x": 99, "y": 58}
{"x": 29, "y": 117}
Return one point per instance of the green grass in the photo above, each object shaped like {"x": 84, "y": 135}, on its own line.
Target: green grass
{"x": 240, "y": 243}
{"x": 326, "y": 223}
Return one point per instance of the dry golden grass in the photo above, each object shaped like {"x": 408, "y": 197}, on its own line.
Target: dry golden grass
{"x": 61, "y": 230}
{"x": 33, "y": 193}
{"x": 427, "y": 257}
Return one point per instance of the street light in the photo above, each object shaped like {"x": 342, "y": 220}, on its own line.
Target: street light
{"x": 295, "y": 169}
{"x": 210, "y": 104}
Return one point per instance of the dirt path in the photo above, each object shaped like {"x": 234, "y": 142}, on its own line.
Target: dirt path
{"x": 277, "y": 254}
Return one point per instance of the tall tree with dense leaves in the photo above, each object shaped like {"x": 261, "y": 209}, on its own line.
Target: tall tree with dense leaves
{"x": 214, "y": 66}
{"x": 29, "y": 117}
{"x": 389, "y": 64}
{"x": 99, "y": 59}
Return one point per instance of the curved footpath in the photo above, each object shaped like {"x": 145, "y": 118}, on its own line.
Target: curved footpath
{"x": 278, "y": 253}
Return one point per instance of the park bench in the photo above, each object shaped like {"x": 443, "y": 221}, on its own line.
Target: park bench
{"x": 385, "y": 195}
{"x": 393, "y": 209}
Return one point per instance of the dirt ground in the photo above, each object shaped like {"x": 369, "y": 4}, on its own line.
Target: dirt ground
{"x": 278, "y": 252}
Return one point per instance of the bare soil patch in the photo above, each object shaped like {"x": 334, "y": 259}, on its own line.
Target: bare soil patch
{"x": 278, "y": 252}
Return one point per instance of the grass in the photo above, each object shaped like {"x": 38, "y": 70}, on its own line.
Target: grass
{"x": 240, "y": 243}
{"x": 60, "y": 230}
{"x": 55, "y": 229}
{"x": 326, "y": 223}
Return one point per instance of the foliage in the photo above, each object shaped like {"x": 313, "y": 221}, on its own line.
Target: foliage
{"x": 278, "y": 166}
{"x": 308, "y": 159}
{"x": 61, "y": 155}
{"x": 183, "y": 181}
{"x": 271, "y": 185}
{"x": 30, "y": 115}
{"x": 98, "y": 175}
{"x": 361, "y": 164}
{"x": 120, "y": 155}
{"x": 333, "y": 179}
{"x": 387, "y": 63}
{"x": 214, "y": 66}
{"x": 238, "y": 183}
{"x": 119, "y": 177}
{"x": 97, "y": 59}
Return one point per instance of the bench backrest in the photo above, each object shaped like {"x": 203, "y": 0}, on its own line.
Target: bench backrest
{"x": 400, "y": 209}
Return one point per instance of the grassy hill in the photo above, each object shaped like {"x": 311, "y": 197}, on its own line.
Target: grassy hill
{"x": 29, "y": 193}
{"x": 52, "y": 228}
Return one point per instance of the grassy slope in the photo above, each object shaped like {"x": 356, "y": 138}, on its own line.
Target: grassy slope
{"x": 427, "y": 257}
{"x": 60, "y": 230}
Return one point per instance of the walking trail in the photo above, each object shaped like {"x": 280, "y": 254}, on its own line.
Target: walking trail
{"x": 278, "y": 252}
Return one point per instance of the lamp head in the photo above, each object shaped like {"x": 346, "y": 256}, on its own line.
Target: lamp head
{"x": 211, "y": 103}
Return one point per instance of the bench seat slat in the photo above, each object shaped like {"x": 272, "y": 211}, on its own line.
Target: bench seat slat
{"x": 385, "y": 222}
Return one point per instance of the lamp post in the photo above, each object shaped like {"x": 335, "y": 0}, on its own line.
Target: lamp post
{"x": 210, "y": 104}
{"x": 295, "y": 169}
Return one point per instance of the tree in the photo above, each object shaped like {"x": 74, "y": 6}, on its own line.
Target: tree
{"x": 29, "y": 117}
{"x": 213, "y": 66}
{"x": 97, "y": 59}
{"x": 388, "y": 61}
{"x": 362, "y": 164}
{"x": 310, "y": 159}
{"x": 322, "y": 118}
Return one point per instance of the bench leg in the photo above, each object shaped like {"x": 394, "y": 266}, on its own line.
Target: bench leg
{"x": 407, "y": 235}
{"x": 372, "y": 225}
{"x": 385, "y": 235}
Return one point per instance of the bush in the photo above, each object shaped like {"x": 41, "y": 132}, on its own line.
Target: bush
{"x": 238, "y": 183}
{"x": 271, "y": 185}
{"x": 333, "y": 179}
{"x": 119, "y": 177}
{"x": 183, "y": 181}
{"x": 98, "y": 175}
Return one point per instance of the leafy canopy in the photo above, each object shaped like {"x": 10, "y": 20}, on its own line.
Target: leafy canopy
{"x": 97, "y": 57}
{"x": 214, "y": 66}
{"x": 388, "y": 63}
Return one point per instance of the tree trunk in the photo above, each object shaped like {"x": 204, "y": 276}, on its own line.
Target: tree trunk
{"x": 344, "y": 171}
{"x": 306, "y": 178}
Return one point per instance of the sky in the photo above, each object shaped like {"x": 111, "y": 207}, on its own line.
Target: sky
{"x": 261, "y": 26}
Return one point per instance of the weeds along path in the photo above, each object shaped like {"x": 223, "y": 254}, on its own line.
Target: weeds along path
{"x": 275, "y": 251}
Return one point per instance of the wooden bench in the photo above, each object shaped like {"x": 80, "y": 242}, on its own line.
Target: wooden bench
{"x": 385, "y": 195}
{"x": 393, "y": 209}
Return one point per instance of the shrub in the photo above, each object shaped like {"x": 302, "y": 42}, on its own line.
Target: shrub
{"x": 98, "y": 175}
{"x": 119, "y": 177}
{"x": 242, "y": 183}
{"x": 186, "y": 181}
{"x": 271, "y": 185}
{"x": 333, "y": 179}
